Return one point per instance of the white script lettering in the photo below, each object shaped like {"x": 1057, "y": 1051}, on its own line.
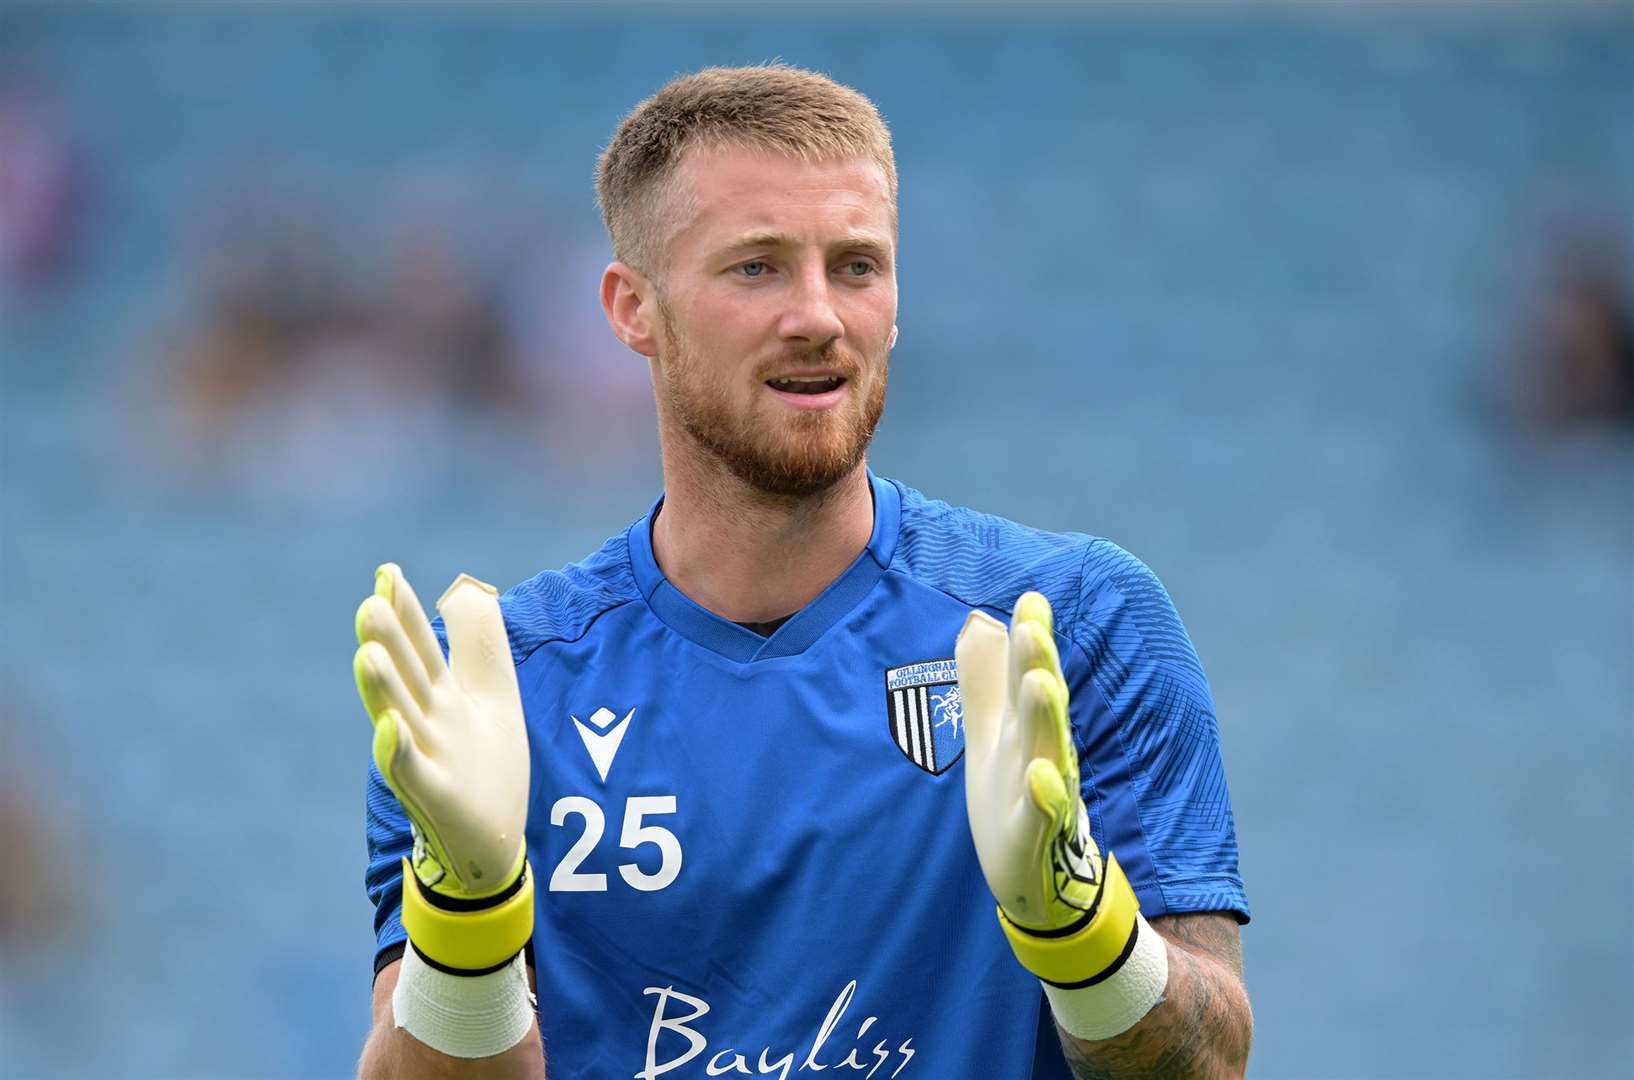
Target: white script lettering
{"x": 733, "y": 1060}
{"x": 695, "y": 1042}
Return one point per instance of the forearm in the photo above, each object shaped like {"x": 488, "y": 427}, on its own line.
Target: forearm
{"x": 1201, "y": 1028}
{"x": 392, "y": 1053}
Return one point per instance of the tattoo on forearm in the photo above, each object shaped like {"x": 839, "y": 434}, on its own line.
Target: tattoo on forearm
{"x": 1201, "y": 1028}
{"x": 1215, "y": 935}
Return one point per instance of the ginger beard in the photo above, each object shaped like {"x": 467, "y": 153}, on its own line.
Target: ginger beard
{"x": 776, "y": 451}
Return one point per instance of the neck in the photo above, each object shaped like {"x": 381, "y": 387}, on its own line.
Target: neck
{"x": 753, "y": 557}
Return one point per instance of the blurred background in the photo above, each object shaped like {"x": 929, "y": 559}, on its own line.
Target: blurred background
{"x": 1323, "y": 310}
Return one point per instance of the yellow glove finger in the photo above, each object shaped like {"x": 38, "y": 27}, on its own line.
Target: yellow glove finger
{"x": 391, "y": 586}
{"x": 381, "y": 688}
{"x": 394, "y": 750}
{"x": 1039, "y": 696}
{"x": 1047, "y": 741}
{"x": 377, "y": 621}
{"x": 1049, "y": 791}
{"x": 1032, "y": 636}
{"x": 1032, "y": 640}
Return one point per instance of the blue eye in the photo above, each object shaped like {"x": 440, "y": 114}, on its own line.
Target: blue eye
{"x": 753, "y": 269}
{"x": 859, "y": 268}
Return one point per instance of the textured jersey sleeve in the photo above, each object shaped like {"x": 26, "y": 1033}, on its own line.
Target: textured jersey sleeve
{"x": 389, "y": 841}
{"x": 1149, "y": 742}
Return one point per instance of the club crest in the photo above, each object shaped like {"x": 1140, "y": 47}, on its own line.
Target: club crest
{"x": 924, "y": 715}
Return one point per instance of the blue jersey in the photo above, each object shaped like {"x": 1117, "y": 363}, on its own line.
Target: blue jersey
{"x": 751, "y": 853}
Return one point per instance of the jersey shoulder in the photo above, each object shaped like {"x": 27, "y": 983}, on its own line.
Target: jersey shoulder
{"x": 562, "y": 605}
{"x": 983, "y": 560}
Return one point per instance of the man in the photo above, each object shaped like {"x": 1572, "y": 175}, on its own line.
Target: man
{"x": 752, "y": 776}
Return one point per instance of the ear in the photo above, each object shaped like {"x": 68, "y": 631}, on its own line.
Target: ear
{"x": 631, "y": 305}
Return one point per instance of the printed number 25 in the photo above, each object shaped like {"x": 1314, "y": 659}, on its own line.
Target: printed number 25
{"x": 567, "y": 878}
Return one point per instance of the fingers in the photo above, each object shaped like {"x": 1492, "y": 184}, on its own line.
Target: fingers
{"x": 1048, "y": 791}
{"x": 479, "y": 652}
{"x": 390, "y": 585}
{"x": 377, "y": 621}
{"x": 380, "y": 686}
{"x": 1039, "y": 688}
{"x": 393, "y": 748}
{"x": 1041, "y": 714}
{"x": 1032, "y": 637}
{"x": 981, "y": 653}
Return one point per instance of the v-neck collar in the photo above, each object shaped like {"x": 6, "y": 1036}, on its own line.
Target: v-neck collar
{"x": 723, "y": 636}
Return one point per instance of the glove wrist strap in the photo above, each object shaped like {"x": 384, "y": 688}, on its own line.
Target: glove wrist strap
{"x": 1090, "y": 953}
{"x": 463, "y": 936}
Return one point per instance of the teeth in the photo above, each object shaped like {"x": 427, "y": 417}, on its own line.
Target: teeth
{"x": 807, "y": 384}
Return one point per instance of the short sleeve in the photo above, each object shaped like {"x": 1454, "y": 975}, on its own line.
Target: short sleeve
{"x": 1148, "y": 741}
{"x": 389, "y": 841}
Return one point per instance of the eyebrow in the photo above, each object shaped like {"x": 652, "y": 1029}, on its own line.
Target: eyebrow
{"x": 867, "y": 243}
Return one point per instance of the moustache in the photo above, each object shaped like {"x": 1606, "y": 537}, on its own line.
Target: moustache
{"x": 833, "y": 356}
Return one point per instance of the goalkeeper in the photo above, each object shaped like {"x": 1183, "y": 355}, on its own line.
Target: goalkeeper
{"x": 802, "y": 772}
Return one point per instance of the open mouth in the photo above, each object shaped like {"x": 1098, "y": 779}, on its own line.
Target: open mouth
{"x": 804, "y": 384}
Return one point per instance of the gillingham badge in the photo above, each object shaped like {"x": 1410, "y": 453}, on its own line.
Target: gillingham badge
{"x": 923, "y": 713}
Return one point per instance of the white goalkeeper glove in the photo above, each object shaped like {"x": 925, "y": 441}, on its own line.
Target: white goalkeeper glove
{"x": 1070, "y": 914}
{"x": 450, "y": 742}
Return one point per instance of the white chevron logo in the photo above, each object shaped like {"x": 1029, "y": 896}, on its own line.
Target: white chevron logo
{"x": 603, "y": 744}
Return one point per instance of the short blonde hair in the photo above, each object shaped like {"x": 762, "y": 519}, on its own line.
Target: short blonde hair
{"x": 774, "y": 107}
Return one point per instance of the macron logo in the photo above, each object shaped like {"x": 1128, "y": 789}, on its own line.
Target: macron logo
{"x": 601, "y": 743}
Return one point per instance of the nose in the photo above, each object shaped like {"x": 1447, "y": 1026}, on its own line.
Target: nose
{"x": 810, "y": 318}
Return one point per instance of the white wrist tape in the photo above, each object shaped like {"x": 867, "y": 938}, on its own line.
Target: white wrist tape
{"x": 463, "y": 1016}
{"x": 1118, "y": 1002}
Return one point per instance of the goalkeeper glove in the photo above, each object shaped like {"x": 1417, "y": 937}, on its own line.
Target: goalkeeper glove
{"x": 450, "y": 742}
{"x": 1069, "y": 913}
